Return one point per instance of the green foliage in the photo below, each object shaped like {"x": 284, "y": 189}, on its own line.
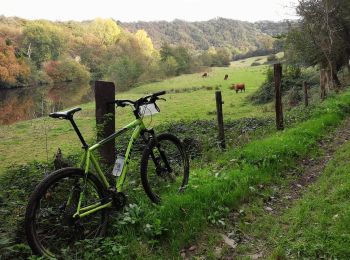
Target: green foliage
{"x": 170, "y": 66}
{"x": 318, "y": 225}
{"x": 322, "y": 37}
{"x": 176, "y": 60}
{"x": 218, "y": 57}
{"x": 155, "y": 229}
{"x": 214, "y": 188}
{"x": 294, "y": 96}
{"x": 292, "y": 79}
{"x": 125, "y": 72}
{"x": 217, "y": 217}
{"x": 131, "y": 216}
{"x": 106, "y": 30}
{"x": 44, "y": 41}
{"x": 238, "y": 36}
{"x": 102, "y": 45}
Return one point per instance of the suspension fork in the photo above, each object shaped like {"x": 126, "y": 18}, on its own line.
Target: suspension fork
{"x": 161, "y": 152}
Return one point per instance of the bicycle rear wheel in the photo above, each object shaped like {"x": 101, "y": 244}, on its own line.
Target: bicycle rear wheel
{"x": 49, "y": 223}
{"x": 164, "y": 167}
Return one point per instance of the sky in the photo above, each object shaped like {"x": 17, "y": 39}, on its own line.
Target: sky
{"x": 150, "y": 10}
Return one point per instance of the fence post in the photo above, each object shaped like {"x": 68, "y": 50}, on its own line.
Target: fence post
{"x": 306, "y": 95}
{"x": 220, "y": 118}
{"x": 278, "y": 96}
{"x": 105, "y": 119}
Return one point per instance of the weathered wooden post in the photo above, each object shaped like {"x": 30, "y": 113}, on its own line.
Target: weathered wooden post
{"x": 306, "y": 95}
{"x": 220, "y": 118}
{"x": 278, "y": 96}
{"x": 105, "y": 119}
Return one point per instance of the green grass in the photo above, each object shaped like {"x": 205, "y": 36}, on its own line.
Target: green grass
{"x": 225, "y": 184}
{"x": 248, "y": 62}
{"x": 221, "y": 185}
{"x": 162, "y": 231}
{"x": 25, "y": 141}
{"x": 319, "y": 225}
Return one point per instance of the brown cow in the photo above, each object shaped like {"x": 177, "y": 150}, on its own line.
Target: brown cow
{"x": 205, "y": 74}
{"x": 240, "y": 86}
{"x": 226, "y": 77}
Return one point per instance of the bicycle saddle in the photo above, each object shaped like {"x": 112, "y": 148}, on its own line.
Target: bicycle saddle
{"x": 68, "y": 114}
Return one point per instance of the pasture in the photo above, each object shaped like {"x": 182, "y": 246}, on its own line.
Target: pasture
{"x": 190, "y": 97}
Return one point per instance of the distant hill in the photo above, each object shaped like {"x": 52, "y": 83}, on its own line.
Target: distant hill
{"x": 219, "y": 32}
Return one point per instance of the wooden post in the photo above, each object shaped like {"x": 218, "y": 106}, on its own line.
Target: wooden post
{"x": 220, "y": 117}
{"x": 278, "y": 96}
{"x": 306, "y": 97}
{"x": 105, "y": 119}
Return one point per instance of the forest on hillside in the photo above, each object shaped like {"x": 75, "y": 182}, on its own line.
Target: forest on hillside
{"x": 238, "y": 36}
{"x": 45, "y": 52}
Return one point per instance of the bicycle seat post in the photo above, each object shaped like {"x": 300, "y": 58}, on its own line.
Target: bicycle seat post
{"x": 71, "y": 120}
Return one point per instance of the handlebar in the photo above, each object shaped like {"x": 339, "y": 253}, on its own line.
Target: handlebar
{"x": 141, "y": 101}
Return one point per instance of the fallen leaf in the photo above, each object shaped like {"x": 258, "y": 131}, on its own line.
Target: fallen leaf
{"x": 229, "y": 242}
{"x": 192, "y": 248}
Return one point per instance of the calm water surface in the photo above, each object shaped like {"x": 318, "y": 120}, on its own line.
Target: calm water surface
{"x": 32, "y": 102}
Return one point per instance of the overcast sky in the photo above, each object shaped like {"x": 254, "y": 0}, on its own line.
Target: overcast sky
{"x": 150, "y": 10}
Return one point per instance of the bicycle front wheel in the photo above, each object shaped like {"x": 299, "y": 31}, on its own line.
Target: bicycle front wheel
{"x": 164, "y": 167}
{"x": 49, "y": 223}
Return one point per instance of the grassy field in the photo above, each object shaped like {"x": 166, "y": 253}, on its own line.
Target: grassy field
{"x": 145, "y": 231}
{"x": 217, "y": 187}
{"x": 190, "y": 97}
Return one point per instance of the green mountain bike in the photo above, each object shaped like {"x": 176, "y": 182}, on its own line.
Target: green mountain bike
{"x": 72, "y": 204}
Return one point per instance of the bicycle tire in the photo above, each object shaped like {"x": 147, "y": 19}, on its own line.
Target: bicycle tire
{"x": 55, "y": 181}
{"x": 155, "y": 185}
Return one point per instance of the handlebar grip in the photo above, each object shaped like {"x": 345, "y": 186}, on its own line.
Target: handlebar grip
{"x": 159, "y": 93}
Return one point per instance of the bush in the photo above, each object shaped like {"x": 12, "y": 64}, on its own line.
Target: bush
{"x": 292, "y": 77}
{"x": 255, "y": 64}
{"x": 294, "y": 96}
{"x": 66, "y": 70}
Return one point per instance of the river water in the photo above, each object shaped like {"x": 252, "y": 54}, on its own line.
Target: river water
{"x": 32, "y": 102}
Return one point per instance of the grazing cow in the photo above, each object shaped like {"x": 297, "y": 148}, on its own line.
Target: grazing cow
{"x": 205, "y": 74}
{"x": 240, "y": 86}
{"x": 226, "y": 77}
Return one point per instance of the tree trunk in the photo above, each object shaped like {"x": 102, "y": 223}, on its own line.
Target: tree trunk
{"x": 323, "y": 92}
{"x": 336, "y": 80}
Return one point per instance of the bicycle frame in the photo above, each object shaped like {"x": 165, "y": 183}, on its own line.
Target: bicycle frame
{"x": 89, "y": 159}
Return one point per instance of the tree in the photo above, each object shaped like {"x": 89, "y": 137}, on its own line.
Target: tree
{"x": 12, "y": 70}
{"x": 145, "y": 43}
{"x": 93, "y": 54}
{"x": 322, "y": 37}
{"x": 66, "y": 70}
{"x": 170, "y": 66}
{"x": 106, "y": 30}
{"x": 125, "y": 72}
{"x": 42, "y": 42}
{"x": 180, "y": 54}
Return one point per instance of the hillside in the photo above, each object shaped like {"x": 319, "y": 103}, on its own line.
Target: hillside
{"x": 219, "y": 32}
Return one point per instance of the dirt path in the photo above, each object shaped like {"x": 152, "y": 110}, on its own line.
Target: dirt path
{"x": 285, "y": 197}
{"x": 233, "y": 243}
